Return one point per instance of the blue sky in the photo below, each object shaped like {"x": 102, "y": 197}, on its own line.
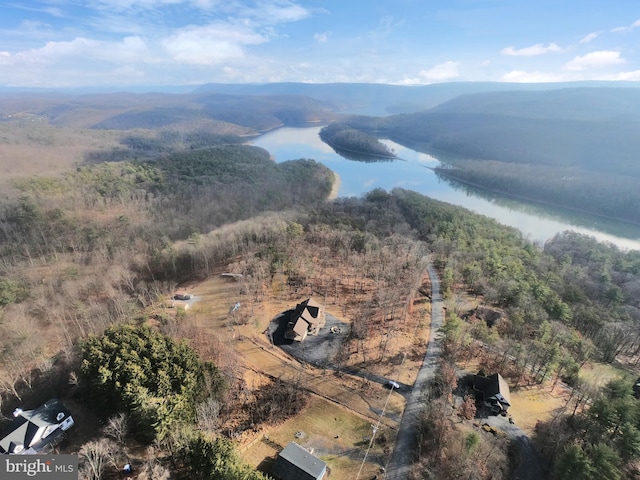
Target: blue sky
{"x": 60, "y": 43}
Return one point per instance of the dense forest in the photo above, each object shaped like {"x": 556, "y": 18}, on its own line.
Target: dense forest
{"x": 614, "y": 195}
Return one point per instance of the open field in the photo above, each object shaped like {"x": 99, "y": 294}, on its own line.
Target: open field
{"x": 598, "y": 374}
{"x": 212, "y": 314}
{"x": 334, "y": 434}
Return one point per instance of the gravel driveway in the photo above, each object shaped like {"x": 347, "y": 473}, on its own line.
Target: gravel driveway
{"x": 318, "y": 350}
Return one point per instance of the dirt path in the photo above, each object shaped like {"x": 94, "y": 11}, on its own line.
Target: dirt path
{"x": 401, "y": 460}
{"x": 529, "y": 467}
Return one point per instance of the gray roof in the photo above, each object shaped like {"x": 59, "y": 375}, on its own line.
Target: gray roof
{"x": 303, "y": 460}
{"x": 493, "y": 387}
{"x": 32, "y": 430}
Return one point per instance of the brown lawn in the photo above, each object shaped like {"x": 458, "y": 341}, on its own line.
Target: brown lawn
{"x": 533, "y": 404}
{"x": 332, "y": 433}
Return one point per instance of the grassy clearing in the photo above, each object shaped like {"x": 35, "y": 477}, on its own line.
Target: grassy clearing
{"x": 337, "y": 423}
{"x": 533, "y": 404}
{"x": 336, "y": 435}
{"x": 212, "y": 315}
{"x": 598, "y": 374}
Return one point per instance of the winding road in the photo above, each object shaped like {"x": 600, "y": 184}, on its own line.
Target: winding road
{"x": 400, "y": 464}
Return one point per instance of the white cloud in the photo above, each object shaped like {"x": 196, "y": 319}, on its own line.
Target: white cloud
{"x": 621, "y": 29}
{"x": 210, "y": 44}
{"x": 84, "y": 50}
{"x": 264, "y": 12}
{"x": 440, "y": 73}
{"x": 520, "y": 76}
{"x": 53, "y": 11}
{"x": 125, "y": 5}
{"x": 633, "y": 76}
{"x": 533, "y": 50}
{"x": 592, "y": 36}
{"x": 599, "y": 59}
{"x": 625, "y": 29}
{"x": 279, "y": 12}
{"x": 322, "y": 37}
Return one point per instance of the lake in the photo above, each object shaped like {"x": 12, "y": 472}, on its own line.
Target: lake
{"x": 537, "y": 223}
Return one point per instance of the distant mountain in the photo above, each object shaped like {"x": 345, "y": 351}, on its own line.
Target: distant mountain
{"x": 124, "y": 111}
{"x": 380, "y": 99}
{"x": 592, "y": 128}
{"x": 591, "y": 104}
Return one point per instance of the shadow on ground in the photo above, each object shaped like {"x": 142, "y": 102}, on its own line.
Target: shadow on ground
{"x": 318, "y": 350}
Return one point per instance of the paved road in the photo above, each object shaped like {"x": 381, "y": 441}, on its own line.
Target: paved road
{"x": 400, "y": 464}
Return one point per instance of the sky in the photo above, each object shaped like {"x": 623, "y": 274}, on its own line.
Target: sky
{"x": 119, "y": 43}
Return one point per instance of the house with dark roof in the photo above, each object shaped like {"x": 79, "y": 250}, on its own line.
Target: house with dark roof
{"x": 297, "y": 463}
{"x": 306, "y": 319}
{"x": 494, "y": 392}
{"x": 35, "y": 431}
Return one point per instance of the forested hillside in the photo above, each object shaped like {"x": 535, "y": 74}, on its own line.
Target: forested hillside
{"x": 236, "y": 114}
{"x": 575, "y": 148}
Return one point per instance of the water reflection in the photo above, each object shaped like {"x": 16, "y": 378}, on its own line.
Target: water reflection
{"x": 359, "y": 157}
{"x": 538, "y": 223}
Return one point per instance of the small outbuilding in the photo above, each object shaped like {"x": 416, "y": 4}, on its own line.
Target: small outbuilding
{"x": 297, "y": 463}
{"x": 494, "y": 391}
{"x": 182, "y": 295}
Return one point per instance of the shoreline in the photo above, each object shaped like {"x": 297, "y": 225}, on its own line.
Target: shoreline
{"x": 380, "y": 156}
{"x": 525, "y": 198}
{"x": 335, "y": 188}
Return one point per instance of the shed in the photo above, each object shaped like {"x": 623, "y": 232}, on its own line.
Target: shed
{"x": 297, "y": 463}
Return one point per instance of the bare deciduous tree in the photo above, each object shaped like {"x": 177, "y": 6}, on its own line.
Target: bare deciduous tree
{"x": 153, "y": 470}
{"x": 94, "y": 458}
{"x": 117, "y": 428}
{"x": 207, "y": 415}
